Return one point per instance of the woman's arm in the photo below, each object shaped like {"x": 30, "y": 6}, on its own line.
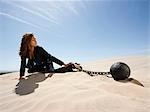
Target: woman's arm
{"x": 52, "y": 58}
{"x": 56, "y": 60}
{"x": 22, "y": 66}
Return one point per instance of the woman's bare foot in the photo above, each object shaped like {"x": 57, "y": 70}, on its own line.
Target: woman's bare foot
{"x": 74, "y": 66}
{"x": 77, "y": 66}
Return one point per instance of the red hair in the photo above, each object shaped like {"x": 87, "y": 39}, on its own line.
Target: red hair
{"x": 25, "y": 47}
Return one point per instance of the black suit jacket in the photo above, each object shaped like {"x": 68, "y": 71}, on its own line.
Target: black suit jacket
{"x": 41, "y": 57}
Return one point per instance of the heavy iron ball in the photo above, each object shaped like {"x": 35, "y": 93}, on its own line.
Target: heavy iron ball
{"x": 120, "y": 71}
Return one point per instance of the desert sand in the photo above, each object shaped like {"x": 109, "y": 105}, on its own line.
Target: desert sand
{"x": 77, "y": 91}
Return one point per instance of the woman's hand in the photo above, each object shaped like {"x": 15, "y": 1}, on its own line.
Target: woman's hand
{"x": 21, "y": 77}
{"x": 66, "y": 65}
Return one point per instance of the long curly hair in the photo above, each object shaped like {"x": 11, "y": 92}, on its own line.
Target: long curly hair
{"x": 25, "y": 47}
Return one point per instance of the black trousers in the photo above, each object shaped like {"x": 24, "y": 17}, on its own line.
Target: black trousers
{"x": 64, "y": 69}
{"x": 50, "y": 69}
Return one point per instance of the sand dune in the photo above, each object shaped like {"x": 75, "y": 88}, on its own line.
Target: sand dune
{"x": 77, "y": 91}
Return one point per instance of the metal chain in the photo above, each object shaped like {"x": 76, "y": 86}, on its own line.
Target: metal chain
{"x": 92, "y": 73}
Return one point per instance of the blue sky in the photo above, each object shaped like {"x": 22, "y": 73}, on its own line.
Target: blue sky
{"x": 75, "y": 31}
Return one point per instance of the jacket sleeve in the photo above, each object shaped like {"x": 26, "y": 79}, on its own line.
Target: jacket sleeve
{"x": 52, "y": 58}
{"x": 56, "y": 60}
{"x": 22, "y": 66}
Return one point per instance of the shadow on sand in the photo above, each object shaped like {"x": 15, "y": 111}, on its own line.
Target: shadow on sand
{"x": 30, "y": 83}
{"x": 132, "y": 80}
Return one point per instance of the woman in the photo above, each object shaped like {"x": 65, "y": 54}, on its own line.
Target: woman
{"x": 39, "y": 60}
